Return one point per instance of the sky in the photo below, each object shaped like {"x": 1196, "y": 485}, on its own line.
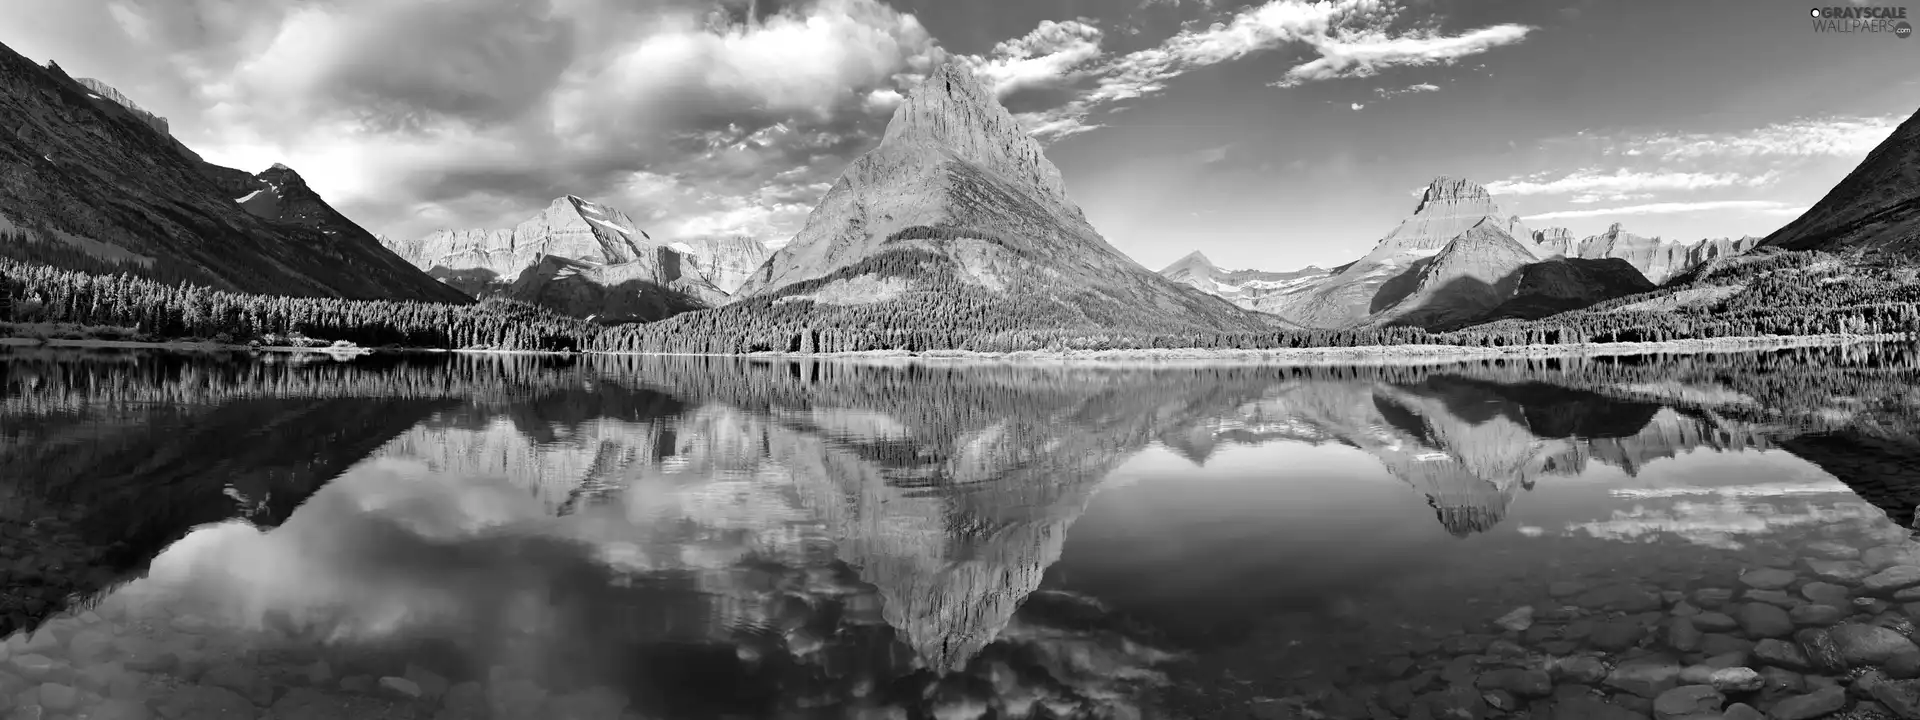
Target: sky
{"x": 1266, "y": 133}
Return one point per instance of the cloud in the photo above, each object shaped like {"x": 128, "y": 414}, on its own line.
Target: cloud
{"x": 1592, "y": 183}
{"x": 1847, "y": 136}
{"x": 1385, "y": 93}
{"x": 1353, "y": 38}
{"x": 1766, "y": 207}
{"x": 416, "y": 115}
{"x": 1365, "y": 53}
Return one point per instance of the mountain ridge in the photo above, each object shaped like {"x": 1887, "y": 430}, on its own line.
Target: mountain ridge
{"x": 1876, "y": 206}
{"x": 94, "y": 186}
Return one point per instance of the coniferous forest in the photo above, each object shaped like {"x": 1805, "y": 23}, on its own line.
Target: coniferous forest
{"x": 1765, "y": 294}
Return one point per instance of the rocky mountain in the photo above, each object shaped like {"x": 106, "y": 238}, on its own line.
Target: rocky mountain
{"x": 107, "y": 92}
{"x": 95, "y": 185}
{"x": 1448, "y": 208}
{"x": 726, "y": 262}
{"x": 958, "y": 208}
{"x": 1246, "y": 288}
{"x": 1876, "y": 206}
{"x": 1474, "y": 273}
{"x": 576, "y": 256}
{"x": 1560, "y": 284}
{"x": 1657, "y": 259}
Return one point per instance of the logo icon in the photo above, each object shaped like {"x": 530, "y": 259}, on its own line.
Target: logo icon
{"x": 1815, "y": 12}
{"x": 1903, "y": 30}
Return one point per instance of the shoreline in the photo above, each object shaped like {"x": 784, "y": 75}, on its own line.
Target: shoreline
{"x": 1359, "y": 355}
{"x": 179, "y": 346}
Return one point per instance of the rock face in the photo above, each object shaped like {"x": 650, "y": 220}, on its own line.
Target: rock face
{"x": 1448, "y": 208}
{"x": 107, "y": 92}
{"x": 1249, "y": 289}
{"x": 97, "y": 186}
{"x": 1560, "y": 284}
{"x": 958, "y": 206}
{"x": 1875, "y": 206}
{"x": 725, "y": 261}
{"x": 1474, "y": 273}
{"x": 576, "y": 256}
{"x": 1656, "y": 259}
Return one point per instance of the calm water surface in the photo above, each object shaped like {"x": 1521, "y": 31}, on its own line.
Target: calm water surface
{"x": 237, "y": 537}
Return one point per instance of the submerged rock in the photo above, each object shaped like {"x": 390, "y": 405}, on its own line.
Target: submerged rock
{"x": 1891, "y": 579}
{"x": 1761, "y": 620}
{"x": 1857, "y": 644}
{"x": 1818, "y": 703}
{"x": 1767, "y": 579}
{"x": 1736, "y": 679}
{"x": 1517, "y": 620}
{"x": 1688, "y": 702}
{"x": 1780, "y": 653}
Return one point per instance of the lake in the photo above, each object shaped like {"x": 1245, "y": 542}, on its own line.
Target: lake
{"x": 448, "y": 537}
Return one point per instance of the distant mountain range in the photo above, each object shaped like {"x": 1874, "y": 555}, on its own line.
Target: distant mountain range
{"x": 1455, "y": 261}
{"x": 588, "y": 260}
{"x": 90, "y": 181}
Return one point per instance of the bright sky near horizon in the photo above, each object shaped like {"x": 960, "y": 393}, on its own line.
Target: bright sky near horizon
{"x": 1271, "y": 134}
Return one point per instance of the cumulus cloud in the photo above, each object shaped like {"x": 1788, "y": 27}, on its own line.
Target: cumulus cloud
{"x": 1593, "y": 183}
{"x": 1766, "y": 207}
{"x": 415, "y": 115}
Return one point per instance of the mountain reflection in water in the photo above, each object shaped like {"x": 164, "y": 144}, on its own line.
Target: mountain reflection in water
{"x": 515, "y": 537}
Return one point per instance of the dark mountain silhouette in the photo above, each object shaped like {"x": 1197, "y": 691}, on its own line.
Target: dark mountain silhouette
{"x": 1875, "y": 207}
{"x": 79, "y": 172}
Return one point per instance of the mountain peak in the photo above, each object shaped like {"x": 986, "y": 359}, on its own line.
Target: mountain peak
{"x": 952, "y": 110}
{"x": 1613, "y": 229}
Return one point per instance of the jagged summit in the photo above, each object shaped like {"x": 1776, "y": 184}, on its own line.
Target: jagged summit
{"x": 953, "y": 110}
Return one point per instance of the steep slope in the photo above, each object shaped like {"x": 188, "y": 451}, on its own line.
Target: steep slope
{"x": 1876, "y": 206}
{"x": 1657, "y": 259}
{"x": 1560, "y": 284}
{"x": 1474, "y": 273}
{"x": 576, "y": 256}
{"x": 96, "y": 186}
{"x": 1246, "y": 288}
{"x": 957, "y": 208}
{"x": 1448, "y": 208}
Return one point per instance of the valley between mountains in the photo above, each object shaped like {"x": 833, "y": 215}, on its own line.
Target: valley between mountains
{"x": 953, "y": 233}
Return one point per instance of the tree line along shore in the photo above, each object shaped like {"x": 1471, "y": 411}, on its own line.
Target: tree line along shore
{"x": 126, "y": 307}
